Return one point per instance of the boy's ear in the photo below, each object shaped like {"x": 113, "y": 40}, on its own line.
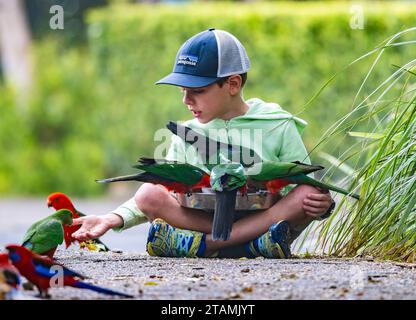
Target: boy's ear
{"x": 235, "y": 82}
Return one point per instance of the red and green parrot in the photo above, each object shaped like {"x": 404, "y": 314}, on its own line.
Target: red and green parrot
{"x": 44, "y": 272}
{"x": 44, "y": 236}
{"x": 275, "y": 175}
{"x": 9, "y": 278}
{"x": 174, "y": 176}
{"x": 59, "y": 200}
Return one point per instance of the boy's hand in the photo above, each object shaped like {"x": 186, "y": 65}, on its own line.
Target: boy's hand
{"x": 317, "y": 204}
{"x": 93, "y": 227}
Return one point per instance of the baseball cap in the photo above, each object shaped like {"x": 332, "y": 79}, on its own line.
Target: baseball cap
{"x": 205, "y": 58}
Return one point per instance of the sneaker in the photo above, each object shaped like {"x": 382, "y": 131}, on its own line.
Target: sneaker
{"x": 272, "y": 244}
{"x": 167, "y": 241}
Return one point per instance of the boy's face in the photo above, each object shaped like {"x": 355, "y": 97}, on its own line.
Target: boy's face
{"x": 208, "y": 103}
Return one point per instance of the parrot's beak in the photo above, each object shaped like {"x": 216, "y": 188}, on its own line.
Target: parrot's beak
{"x": 49, "y": 203}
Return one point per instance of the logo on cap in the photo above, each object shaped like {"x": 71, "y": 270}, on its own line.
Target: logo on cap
{"x": 187, "y": 59}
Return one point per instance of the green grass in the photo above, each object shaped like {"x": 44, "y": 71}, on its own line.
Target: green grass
{"x": 380, "y": 165}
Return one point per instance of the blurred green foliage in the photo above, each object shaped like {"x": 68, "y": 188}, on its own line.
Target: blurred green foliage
{"x": 95, "y": 109}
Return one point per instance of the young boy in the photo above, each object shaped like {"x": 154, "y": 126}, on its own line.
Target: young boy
{"x": 211, "y": 69}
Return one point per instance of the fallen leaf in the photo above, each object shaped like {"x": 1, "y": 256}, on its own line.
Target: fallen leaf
{"x": 248, "y": 289}
{"x": 372, "y": 280}
{"x": 234, "y": 295}
{"x": 245, "y": 270}
{"x": 150, "y": 283}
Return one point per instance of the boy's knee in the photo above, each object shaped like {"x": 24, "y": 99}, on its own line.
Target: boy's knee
{"x": 149, "y": 198}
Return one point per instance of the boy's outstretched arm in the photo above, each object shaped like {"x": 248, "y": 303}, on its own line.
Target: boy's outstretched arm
{"x": 95, "y": 226}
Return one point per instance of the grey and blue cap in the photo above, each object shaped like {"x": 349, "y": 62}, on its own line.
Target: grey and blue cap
{"x": 207, "y": 57}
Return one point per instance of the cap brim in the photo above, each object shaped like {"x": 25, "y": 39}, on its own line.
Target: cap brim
{"x": 187, "y": 80}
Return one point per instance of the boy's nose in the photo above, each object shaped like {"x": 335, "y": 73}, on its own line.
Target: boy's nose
{"x": 187, "y": 99}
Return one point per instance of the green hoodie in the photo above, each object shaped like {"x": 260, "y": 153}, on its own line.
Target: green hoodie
{"x": 268, "y": 129}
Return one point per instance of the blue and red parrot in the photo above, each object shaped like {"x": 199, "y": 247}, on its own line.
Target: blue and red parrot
{"x": 43, "y": 271}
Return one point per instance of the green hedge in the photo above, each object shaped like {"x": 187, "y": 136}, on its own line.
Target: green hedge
{"x": 95, "y": 109}
{"x": 294, "y": 48}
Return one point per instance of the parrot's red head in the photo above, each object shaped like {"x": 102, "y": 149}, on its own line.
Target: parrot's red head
{"x": 59, "y": 200}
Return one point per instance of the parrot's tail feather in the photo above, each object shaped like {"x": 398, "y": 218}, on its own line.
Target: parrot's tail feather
{"x": 132, "y": 177}
{"x": 148, "y": 161}
{"x": 84, "y": 285}
{"x": 173, "y": 127}
{"x": 183, "y": 132}
{"x": 223, "y": 214}
{"x": 312, "y": 167}
{"x": 322, "y": 185}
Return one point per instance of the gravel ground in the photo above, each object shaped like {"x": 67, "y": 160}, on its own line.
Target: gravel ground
{"x": 152, "y": 278}
{"x": 149, "y": 278}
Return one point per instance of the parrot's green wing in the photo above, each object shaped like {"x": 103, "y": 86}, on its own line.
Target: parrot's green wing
{"x": 47, "y": 235}
{"x": 275, "y": 170}
{"x": 177, "y": 171}
{"x": 32, "y": 230}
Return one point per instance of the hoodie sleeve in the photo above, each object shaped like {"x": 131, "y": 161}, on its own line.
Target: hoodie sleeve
{"x": 130, "y": 214}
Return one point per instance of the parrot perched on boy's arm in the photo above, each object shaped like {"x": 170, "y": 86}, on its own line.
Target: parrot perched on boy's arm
{"x": 59, "y": 200}
{"x": 174, "y": 176}
{"x": 275, "y": 175}
{"x": 42, "y": 271}
{"x": 9, "y": 278}
{"x": 44, "y": 236}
